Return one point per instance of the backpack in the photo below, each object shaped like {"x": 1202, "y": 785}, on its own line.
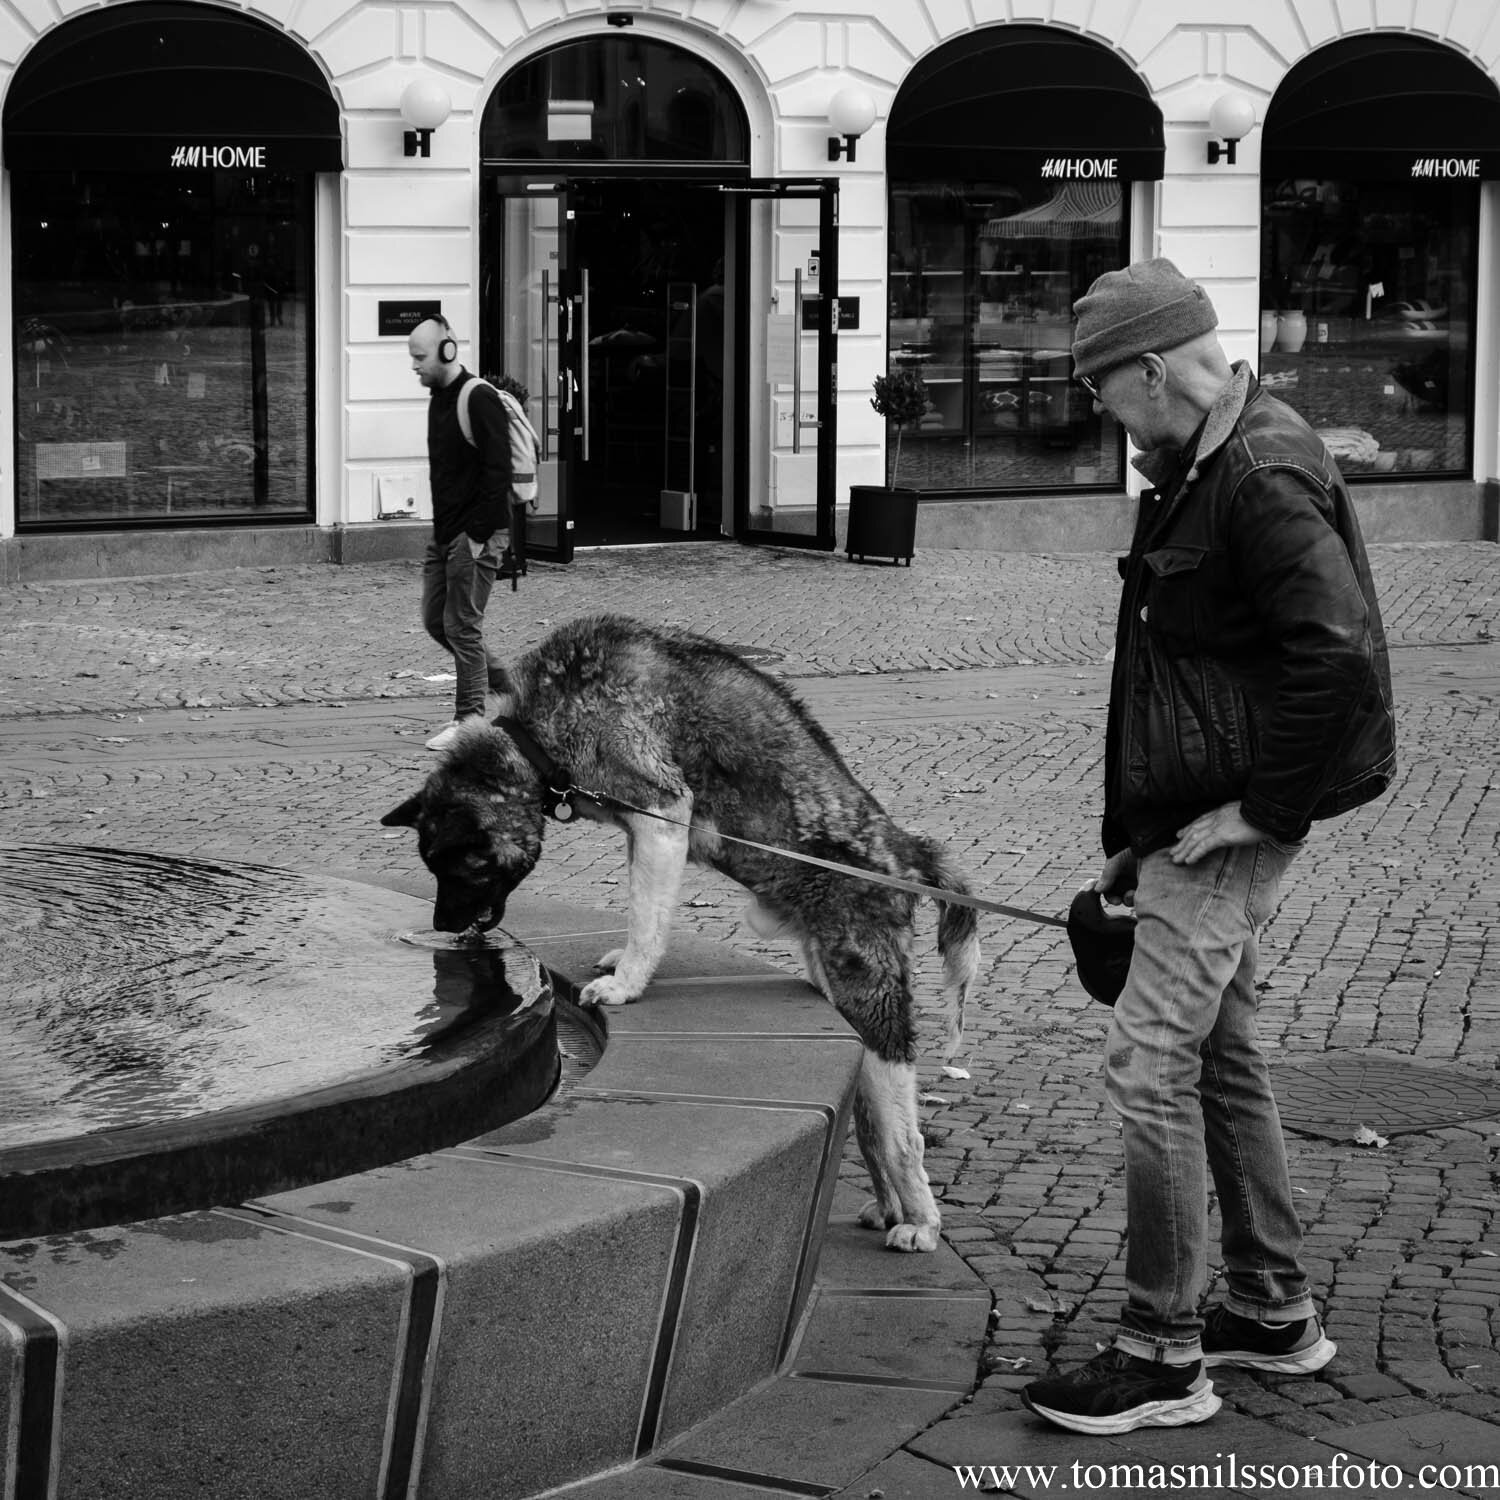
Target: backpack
{"x": 525, "y": 446}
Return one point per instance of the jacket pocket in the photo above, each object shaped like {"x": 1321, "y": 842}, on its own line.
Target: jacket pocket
{"x": 1171, "y": 595}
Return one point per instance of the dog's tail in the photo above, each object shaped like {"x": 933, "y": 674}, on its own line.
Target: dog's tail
{"x": 958, "y": 941}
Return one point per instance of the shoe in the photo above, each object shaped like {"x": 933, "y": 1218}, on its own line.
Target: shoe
{"x": 1117, "y": 1392}
{"x": 1280, "y": 1348}
{"x": 449, "y": 732}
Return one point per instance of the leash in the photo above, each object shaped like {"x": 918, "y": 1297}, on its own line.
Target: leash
{"x": 562, "y": 790}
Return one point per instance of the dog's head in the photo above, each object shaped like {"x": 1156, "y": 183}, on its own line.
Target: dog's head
{"x": 479, "y": 828}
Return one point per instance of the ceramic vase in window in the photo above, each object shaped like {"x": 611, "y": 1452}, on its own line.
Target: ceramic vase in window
{"x": 1268, "y": 322}
{"x": 1291, "y": 332}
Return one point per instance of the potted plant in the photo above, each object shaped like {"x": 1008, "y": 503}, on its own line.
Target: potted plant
{"x": 883, "y": 518}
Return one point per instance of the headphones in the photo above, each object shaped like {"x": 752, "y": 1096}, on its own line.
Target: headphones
{"x": 447, "y": 349}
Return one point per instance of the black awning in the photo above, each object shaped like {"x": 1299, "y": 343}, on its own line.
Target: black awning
{"x": 1024, "y": 101}
{"x": 1384, "y": 106}
{"x": 161, "y": 85}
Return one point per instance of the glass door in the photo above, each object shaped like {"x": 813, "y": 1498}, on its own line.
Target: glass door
{"x": 535, "y": 320}
{"x": 787, "y": 328}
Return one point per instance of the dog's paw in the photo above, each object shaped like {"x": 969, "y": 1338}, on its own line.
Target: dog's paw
{"x": 873, "y": 1216}
{"x": 606, "y": 990}
{"x": 912, "y": 1237}
{"x": 610, "y": 962}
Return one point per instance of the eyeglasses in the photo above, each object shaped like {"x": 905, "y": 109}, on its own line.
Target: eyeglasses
{"x": 1091, "y": 383}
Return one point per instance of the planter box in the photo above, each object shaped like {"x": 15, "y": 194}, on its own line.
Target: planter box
{"x": 882, "y": 523}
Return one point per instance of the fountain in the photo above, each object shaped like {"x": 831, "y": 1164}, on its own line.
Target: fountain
{"x": 278, "y": 1214}
{"x": 182, "y": 1033}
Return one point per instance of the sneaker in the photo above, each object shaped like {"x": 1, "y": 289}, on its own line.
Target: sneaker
{"x": 1281, "y": 1348}
{"x": 449, "y": 732}
{"x": 1118, "y": 1392}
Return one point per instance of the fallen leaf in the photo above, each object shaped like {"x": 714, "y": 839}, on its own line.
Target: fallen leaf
{"x": 1364, "y": 1136}
{"x": 949, "y": 1071}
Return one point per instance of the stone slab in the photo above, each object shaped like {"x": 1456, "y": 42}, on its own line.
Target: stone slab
{"x": 902, "y": 1476}
{"x": 847, "y": 1260}
{"x": 746, "y": 1068}
{"x": 651, "y": 1482}
{"x": 760, "y": 1172}
{"x": 269, "y": 1359}
{"x": 537, "y": 1259}
{"x": 915, "y": 1339}
{"x": 812, "y": 1431}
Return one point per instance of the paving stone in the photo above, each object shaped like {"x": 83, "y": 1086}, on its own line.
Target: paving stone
{"x": 1371, "y": 1387}
{"x": 1435, "y": 1438}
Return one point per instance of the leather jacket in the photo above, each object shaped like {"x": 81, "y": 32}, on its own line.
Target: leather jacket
{"x": 1250, "y": 661}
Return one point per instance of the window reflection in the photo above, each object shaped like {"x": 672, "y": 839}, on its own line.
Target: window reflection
{"x": 982, "y": 280}
{"x": 1367, "y": 321}
{"x": 162, "y": 346}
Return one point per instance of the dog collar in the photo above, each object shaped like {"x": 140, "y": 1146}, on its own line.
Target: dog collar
{"x": 556, "y": 781}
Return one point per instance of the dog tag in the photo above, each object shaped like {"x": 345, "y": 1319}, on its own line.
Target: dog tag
{"x": 563, "y": 812}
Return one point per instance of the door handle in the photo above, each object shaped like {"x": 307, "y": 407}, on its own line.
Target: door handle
{"x": 583, "y": 358}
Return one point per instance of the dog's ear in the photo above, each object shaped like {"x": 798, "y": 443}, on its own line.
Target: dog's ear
{"x": 404, "y": 816}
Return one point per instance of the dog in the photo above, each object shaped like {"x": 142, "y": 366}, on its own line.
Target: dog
{"x": 670, "y": 729}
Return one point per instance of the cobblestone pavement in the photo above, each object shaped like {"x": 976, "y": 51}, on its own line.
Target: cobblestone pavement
{"x": 273, "y": 714}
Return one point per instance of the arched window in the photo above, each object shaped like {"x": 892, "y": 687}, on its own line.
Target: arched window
{"x": 1372, "y": 155}
{"x": 1009, "y": 153}
{"x": 615, "y": 98}
{"x": 162, "y": 159}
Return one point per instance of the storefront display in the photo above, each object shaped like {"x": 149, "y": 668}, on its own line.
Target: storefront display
{"x": 982, "y": 285}
{"x": 162, "y": 159}
{"x": 988, "y": 253}
{"x": 1375, "y": 149}
{"x": 162, "y": 346}
{"x": 1372, "y": 289}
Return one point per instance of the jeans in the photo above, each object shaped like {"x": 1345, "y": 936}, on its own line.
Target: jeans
{"x": 456, "y": 583}
{"x": 1184, "y": 1071}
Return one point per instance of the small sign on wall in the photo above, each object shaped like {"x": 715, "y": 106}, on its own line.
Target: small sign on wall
{"x": 397, "y": 319}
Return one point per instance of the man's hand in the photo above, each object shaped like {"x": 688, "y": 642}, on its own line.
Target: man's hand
{"x": 1116, "y": 882}
{"x": 1223, "y": 828}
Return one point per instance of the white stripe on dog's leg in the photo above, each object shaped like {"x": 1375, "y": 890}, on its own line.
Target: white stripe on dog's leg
{"x": 890, "y": 1093}
{"x": 817, "y": 976}
{"x": 884, "y": 1209}
{"x": 658, "y": 857}
{"x": 960, "y": 969}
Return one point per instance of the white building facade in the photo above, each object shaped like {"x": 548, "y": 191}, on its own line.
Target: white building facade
{"x": 696, "y": 231}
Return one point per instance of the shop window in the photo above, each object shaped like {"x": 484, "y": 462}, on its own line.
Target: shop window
{"x": 1367, "y": 324}
{"x": 1373, "y": 154}
{"x": 163, "y": 346}
{"x": 982, "y": 281}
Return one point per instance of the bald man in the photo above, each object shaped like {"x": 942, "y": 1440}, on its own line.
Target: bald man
{"x": 471, "y": 485}
{"x": 1251, "y": 697}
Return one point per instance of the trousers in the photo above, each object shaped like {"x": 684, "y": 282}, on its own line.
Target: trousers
{"x": 456, "y": 584}
{"x": 1184, "y": 1071}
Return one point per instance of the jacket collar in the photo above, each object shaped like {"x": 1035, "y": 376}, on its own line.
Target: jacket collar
{"x": 1158, "y": 464}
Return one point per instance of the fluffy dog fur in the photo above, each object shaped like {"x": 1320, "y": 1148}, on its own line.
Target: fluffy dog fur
{"x": 676, "y": 724}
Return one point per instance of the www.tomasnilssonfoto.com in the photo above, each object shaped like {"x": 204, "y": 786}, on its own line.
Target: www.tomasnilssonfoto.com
{"x": 1227, "y": 1472}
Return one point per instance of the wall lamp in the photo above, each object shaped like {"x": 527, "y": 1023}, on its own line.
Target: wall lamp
{"x": 851, "y": 112}
{"x": 1232, "y": 118}
{"x": 424, "y": 106}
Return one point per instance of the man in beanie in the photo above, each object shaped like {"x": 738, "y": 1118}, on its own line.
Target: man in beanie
{"x": 1251, "y": 695}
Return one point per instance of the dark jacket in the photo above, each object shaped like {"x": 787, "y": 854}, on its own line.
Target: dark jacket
{"x": 470, "y": 485}
{"x": 1250, "y": 661}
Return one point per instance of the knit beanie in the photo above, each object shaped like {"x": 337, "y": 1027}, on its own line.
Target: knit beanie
{"x": 1147, "y": 307}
